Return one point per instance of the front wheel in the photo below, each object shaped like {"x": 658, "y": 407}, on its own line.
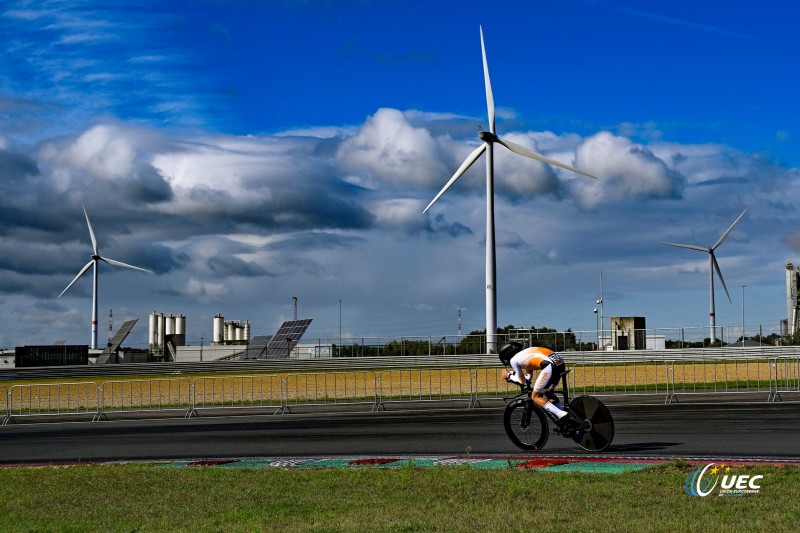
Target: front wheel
{"x": 598, "y": 430}
{"x": 526, "y": 425}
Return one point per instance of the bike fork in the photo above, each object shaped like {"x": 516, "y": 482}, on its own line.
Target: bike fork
{"x": 526, "y": 414}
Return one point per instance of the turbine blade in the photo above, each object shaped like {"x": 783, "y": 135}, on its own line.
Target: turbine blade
{"x": 471, "y": 158}
{"x": 76, "y": 278}
{"x": 725, "y": 235}
{"x": 521, "y": 150}
{"x": 91, "y": 231}
{"x": 719, "y": 275}
{"x": 121, "y": 264}
{"x": 488, "y": 83}
{"x": 689, "y": 246}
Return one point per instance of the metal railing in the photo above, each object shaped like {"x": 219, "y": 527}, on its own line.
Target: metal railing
{"x": 784, "y": 377}
{"x": 245, "y": 391}
{"x": 142, "y": 395}
{"x": 51, "y": 399}
{"x": 667, "y": 378}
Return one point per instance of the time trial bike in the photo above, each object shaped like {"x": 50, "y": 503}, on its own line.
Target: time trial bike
{"x": 591, "y": 425}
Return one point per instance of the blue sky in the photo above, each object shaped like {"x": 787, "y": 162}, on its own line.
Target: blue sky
{"x": 248, "y": 152}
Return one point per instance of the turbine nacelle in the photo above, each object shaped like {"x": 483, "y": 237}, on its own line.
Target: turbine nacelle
{"x": 488, "y": 137}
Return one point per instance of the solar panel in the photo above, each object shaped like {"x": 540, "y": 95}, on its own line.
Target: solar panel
{"x": 115, "y": 342}
{"x": 286, "y": 339}
{"x": 256, "y": 348}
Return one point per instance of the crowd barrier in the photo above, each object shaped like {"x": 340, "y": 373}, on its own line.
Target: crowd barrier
{"x": 376, "y": 388}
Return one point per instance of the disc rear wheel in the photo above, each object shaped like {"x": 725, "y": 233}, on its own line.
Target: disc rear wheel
{"x": 598, "y": 431}
{"x": 531, "y": 434}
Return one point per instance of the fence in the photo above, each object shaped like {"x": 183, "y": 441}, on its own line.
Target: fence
{"x": 140, "y": 395}
{"x": 785, "y": 377}
{"x": 665, "y": 378}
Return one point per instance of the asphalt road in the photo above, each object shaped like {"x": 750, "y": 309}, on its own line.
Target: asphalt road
{"x": 721, "y": 430}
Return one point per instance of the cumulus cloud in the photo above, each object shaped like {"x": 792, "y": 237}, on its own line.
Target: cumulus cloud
{"x": 109, "y": 156}
{"x": 243, "y": 218}
{"x": 625, "y": 170}
{"x": 387, "y": 150}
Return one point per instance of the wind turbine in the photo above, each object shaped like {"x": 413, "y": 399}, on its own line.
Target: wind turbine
{"x": 94, "y": 263}
{"x": 489, "y": 138}
{"x": 712, "y": 266}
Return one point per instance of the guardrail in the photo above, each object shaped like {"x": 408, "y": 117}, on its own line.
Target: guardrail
{"x": 87, "y": 373}
{"x": 282, "y": 392}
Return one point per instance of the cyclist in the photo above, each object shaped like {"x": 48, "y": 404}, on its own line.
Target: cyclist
{"x": 551, "y": 366}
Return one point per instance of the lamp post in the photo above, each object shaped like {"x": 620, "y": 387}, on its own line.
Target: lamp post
{"x": 602, "y": 309}
{"x": 201, "y": 349}
{"x": 597, "y": 329}
{"x": 340, "y": 327}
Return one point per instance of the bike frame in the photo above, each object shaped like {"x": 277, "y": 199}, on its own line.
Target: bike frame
{"x": 530, "y": 404}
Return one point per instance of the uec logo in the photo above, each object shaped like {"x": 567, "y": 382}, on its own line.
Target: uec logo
{"x": 704, "y": 479}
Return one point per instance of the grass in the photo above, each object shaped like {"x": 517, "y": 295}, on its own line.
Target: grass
{"x": 141, "y": 497}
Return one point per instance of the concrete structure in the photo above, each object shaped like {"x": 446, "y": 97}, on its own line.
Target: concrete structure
{"x": 792, "y": 303}
{"x": 628, "y": 333}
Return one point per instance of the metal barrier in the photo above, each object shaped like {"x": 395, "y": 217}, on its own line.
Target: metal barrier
{"x": 425, "y": 385}
{"x": 359, "y": 387}
{"x": 668, "y": 378}
{"x": 490, "y": 385}
{"x": 784, "y": 377}
{"x": 720, "y": 376}
{"x": 139, "y": 395}
{"x": 229, "y": 392}
{"x": 51, "y": 399}
{"x": 625, "y": 378}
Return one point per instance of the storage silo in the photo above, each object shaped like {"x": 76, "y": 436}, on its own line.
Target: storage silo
{"x": 170, "y": 325}
{"x": 152, "y": 335}
{"x": 180, "y": 325}
{"x": 219, "y": 326}
{"x": 161, "y": 329}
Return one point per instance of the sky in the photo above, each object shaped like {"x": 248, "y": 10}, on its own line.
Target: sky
{"x": 250, "y": 152}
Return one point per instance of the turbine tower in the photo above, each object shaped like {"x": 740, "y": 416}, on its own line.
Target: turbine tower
{"x": 489, "y": 138}
{"x": 93, "y": 262}
{"x": 712, "y": 267}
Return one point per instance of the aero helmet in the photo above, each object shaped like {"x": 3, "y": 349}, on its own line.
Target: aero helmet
{"x": 509, "y": 350}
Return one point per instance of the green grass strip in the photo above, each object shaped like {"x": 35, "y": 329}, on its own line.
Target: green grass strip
{"x": 139, "y": 497}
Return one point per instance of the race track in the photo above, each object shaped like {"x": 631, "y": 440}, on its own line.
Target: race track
{"x": 720, "y": 430}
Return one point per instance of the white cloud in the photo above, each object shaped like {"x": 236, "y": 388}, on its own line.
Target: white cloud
{"x": 389, "y": 149}
{"x": 251, "y": 218}
{"x": 624, "y": 169}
